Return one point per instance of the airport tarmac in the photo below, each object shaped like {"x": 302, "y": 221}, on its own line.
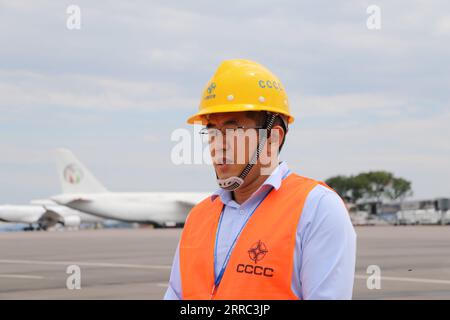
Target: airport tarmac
{"x": 135, "y": 263}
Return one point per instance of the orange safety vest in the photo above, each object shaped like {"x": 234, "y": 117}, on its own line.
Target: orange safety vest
{"x": 261, "y": 264}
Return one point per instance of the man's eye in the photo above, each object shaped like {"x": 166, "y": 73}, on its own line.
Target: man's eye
{"x": 213, "y": 132}
{"x": 231, "y": 129}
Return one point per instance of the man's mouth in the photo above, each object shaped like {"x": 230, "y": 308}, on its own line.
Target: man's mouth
{"x": 221, "y": 158}
{"x": 225, "y": 161}
{"x": 224, "y": 166}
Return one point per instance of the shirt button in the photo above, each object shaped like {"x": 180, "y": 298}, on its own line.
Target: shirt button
{"x": 241, "y": 211}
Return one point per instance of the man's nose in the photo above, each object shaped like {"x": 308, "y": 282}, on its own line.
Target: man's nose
{"x": 221, "y": 142}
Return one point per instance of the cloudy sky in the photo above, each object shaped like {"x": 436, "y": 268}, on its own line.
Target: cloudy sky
{"x": 114, "y": 90}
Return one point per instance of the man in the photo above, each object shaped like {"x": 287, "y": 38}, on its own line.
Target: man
{"x": 267, "y": 233}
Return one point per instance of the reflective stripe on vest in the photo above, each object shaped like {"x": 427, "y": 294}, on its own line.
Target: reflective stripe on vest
{"x": 261, "y": 263}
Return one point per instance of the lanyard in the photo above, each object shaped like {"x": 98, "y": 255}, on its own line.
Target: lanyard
{"x": 227, "y": 257}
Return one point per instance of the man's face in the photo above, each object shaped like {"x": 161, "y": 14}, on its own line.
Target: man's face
{"x": 231, "y": 152}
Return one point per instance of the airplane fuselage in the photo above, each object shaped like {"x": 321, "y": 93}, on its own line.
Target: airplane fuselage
{"x": 151, "y": 207}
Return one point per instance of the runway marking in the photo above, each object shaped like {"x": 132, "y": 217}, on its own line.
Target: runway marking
{"x": 164, "y": 285}
{"x": 87, "y": 264}
{"x": 20, "y": 276}
{"x": 418, "y": 280}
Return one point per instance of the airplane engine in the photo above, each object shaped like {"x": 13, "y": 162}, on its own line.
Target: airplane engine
{"x": 72, "y": 221}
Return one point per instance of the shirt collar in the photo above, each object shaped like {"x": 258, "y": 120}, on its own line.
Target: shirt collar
{"x": 274, "y": 180}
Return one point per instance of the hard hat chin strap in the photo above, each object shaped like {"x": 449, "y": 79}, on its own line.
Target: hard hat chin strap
{"x": 233, "y": 183}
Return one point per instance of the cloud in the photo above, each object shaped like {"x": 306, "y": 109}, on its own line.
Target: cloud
{"x": 442, "y": 26}
{"x": 116, "y": 89}
{"x": 349, "y": 105}
{"x": 28, "y": 89}
{"x": 414, "y": 148}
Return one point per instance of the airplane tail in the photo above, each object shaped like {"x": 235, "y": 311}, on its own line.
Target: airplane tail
{"x": 74, "y": 176}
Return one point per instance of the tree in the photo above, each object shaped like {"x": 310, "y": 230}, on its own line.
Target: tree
{"x": 350, "y": 188}
{"x": 359, "y": 186}
{"x": 372, "y": 185}
{"x": 341, "y": 185}
{"x": 399, "y": 189}
{"x": 378, "y": 183}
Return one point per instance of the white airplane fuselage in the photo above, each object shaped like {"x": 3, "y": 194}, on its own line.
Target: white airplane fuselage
{"x": 35, "y": 213}
{"x": 145, "y": 207}
{"x": 81, "y": 190}
{"x": 21, "y": 213}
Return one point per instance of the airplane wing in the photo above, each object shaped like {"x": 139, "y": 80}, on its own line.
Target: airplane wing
{"x": 186, "y": 205}
{"x": 50, "y": 218}
{"x": 66, "y": 199}
{"x": 56, "y": 215}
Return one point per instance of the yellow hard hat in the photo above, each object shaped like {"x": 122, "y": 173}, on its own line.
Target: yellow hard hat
{"x": 242, "y": 85}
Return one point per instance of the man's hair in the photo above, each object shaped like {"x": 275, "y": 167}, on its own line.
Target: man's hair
{"x": 260, "y": 118}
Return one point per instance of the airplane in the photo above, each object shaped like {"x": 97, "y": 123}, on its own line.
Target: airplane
{"x": 44, "y": 214}
{"x": 82, "y": 191}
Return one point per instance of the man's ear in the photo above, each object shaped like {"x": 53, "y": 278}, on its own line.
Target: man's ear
{"x": 276, "y": 135}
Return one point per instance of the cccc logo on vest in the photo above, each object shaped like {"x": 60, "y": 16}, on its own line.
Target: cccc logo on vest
{"x": 257, "y": 252}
